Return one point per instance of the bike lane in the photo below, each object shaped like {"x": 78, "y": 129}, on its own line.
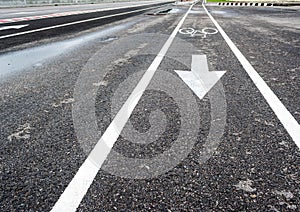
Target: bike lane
{"x": 169, "y": 120}
{"x": 253, "y": 165}
{"x": 245, "y": 171}
{"x": 256, "y": 153}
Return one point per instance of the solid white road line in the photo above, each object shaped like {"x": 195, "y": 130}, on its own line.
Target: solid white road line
{"x": 77, "y": 188}
{"x": 73, "y": 23}
{"x": 285, "y": 117}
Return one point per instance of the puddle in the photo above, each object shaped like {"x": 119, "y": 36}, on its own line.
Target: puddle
{"x": 197, "y": 12}
{"x": 160, "y": 12}
{"x": 177, "y": 10}
{"x": 218, "y": 12}
{"x": 13, "y": 62}
{"x": 182, "y": 11}
{"x": 223, "y": 13}
{"x": 109, "y": 39}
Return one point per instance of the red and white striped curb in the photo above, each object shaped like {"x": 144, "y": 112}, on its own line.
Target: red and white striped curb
{"x": 255, "y": 4}
{"x": 245, "y": 4}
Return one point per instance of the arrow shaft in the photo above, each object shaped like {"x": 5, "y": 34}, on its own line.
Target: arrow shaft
{"x": 13, "y": 27}
{"x": 199, "y": 65}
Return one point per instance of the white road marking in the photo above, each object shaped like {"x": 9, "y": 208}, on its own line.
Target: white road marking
{"x": 73, "y": 23}
{"x": 22, "y": 13}
{"x": 192, "y": 32}
{"x": 29, "y": 12}
{"x": 13, "y": 27}
{"x": 200, "y": 80}
{"x": 77, "y": 188}
{"x": 285, "y": 117}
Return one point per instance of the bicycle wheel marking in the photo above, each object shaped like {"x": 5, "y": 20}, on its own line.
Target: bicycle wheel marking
{"x": 202, "y": 33}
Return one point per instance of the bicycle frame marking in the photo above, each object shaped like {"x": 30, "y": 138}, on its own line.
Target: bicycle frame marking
{"x": 193, "y": 33}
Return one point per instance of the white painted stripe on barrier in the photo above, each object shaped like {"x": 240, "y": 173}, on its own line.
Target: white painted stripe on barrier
{"x": 252, "y": 4}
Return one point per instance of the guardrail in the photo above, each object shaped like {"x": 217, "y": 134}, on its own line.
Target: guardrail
{"x": 244, "y": 4}
{"x": 256, "y": 4}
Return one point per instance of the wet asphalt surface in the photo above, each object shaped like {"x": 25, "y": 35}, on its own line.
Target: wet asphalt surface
{"x": 47, "y": 132}
{"x": 49, "y": 22}
{"x": 18, "y": 12}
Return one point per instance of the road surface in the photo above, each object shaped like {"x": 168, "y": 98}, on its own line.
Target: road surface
{"x": 197, "y": 109}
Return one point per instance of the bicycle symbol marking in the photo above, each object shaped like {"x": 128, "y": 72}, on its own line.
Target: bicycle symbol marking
{"x": 192, "y": 32}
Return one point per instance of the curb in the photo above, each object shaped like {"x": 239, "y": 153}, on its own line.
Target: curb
{"x": 256, "y": 4}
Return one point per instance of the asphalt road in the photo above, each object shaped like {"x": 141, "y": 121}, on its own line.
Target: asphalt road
{"x": 40, "y": 28}
{"x": 17, "y": 12}
{"x": 235, "y": 149}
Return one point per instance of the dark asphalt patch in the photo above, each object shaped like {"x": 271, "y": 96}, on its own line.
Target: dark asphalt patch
{"x": 42, "y": 23}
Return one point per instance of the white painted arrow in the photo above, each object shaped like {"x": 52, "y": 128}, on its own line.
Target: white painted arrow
{"x": 13, "y": 27}
{"x": 200, "y": 80}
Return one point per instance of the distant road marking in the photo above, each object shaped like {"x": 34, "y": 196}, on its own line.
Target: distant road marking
{"x": 77, "y": 188}
{"x": 22, "y": 13}
{"x": 13, "y": 27}
{"x": 285, "y": 117}
{"x": 73, "y": 23}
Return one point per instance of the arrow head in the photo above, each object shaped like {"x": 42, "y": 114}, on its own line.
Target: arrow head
{"x": 199, "y": 79}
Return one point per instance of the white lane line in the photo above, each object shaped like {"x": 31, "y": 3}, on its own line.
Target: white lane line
{"x": 285, "y": 117}
{"x": 77, "y": 188}
{"x": 73, "y": 23}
